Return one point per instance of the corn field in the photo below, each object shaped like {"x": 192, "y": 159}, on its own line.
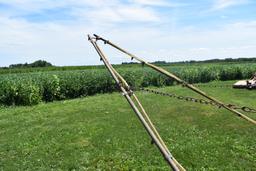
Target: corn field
{"x": 34, "y": 87}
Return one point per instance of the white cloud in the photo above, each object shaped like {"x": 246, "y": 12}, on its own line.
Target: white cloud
{"x": 232, "y": 40}
{"x": 125, "y": 14}
{"x": 98, "y": 11}
{"x": 162, "y": 3}
{"x": 221, "y": 4}
{"x": 150, "y": 2}
{"x": 63, "y": 42}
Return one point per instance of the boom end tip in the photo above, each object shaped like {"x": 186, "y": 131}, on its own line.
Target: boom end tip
{"x": 96, "y": 36}
{"x": 89, "y": 37}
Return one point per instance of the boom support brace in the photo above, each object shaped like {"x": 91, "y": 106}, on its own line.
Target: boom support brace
{"x": 138, "y": 109}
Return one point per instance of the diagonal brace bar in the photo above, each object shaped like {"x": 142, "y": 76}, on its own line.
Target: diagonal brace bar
{"x": 179, "y": 80}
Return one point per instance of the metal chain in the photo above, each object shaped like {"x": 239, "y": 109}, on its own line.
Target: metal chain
{"x": 214, "y": 86}
{"x": 197, "y": 100}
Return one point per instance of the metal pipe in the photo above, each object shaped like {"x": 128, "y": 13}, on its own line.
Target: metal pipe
{"x": 170, "y": 75}
{"x": 166, "y": 155}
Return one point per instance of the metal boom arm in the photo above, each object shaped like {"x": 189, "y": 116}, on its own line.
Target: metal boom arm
{"x": 184, "y": 83}
{"x": 139, "y": 111}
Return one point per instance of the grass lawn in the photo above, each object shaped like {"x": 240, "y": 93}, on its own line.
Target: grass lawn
{"x": 102, "y": 132}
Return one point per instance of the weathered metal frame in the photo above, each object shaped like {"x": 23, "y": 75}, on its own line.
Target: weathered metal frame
{"x": 139, "y": 110}
{"x": 179, "y": 80}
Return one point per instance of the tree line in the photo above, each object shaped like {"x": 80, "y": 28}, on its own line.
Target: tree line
{"x": 203, "y": 61}
{"x": 38, "y": 63}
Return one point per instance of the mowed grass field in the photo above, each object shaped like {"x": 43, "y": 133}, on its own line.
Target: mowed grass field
{"x": 102, "y": 133}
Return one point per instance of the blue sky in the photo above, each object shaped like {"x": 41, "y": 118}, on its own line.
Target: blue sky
{"x": 171, "y": 30}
